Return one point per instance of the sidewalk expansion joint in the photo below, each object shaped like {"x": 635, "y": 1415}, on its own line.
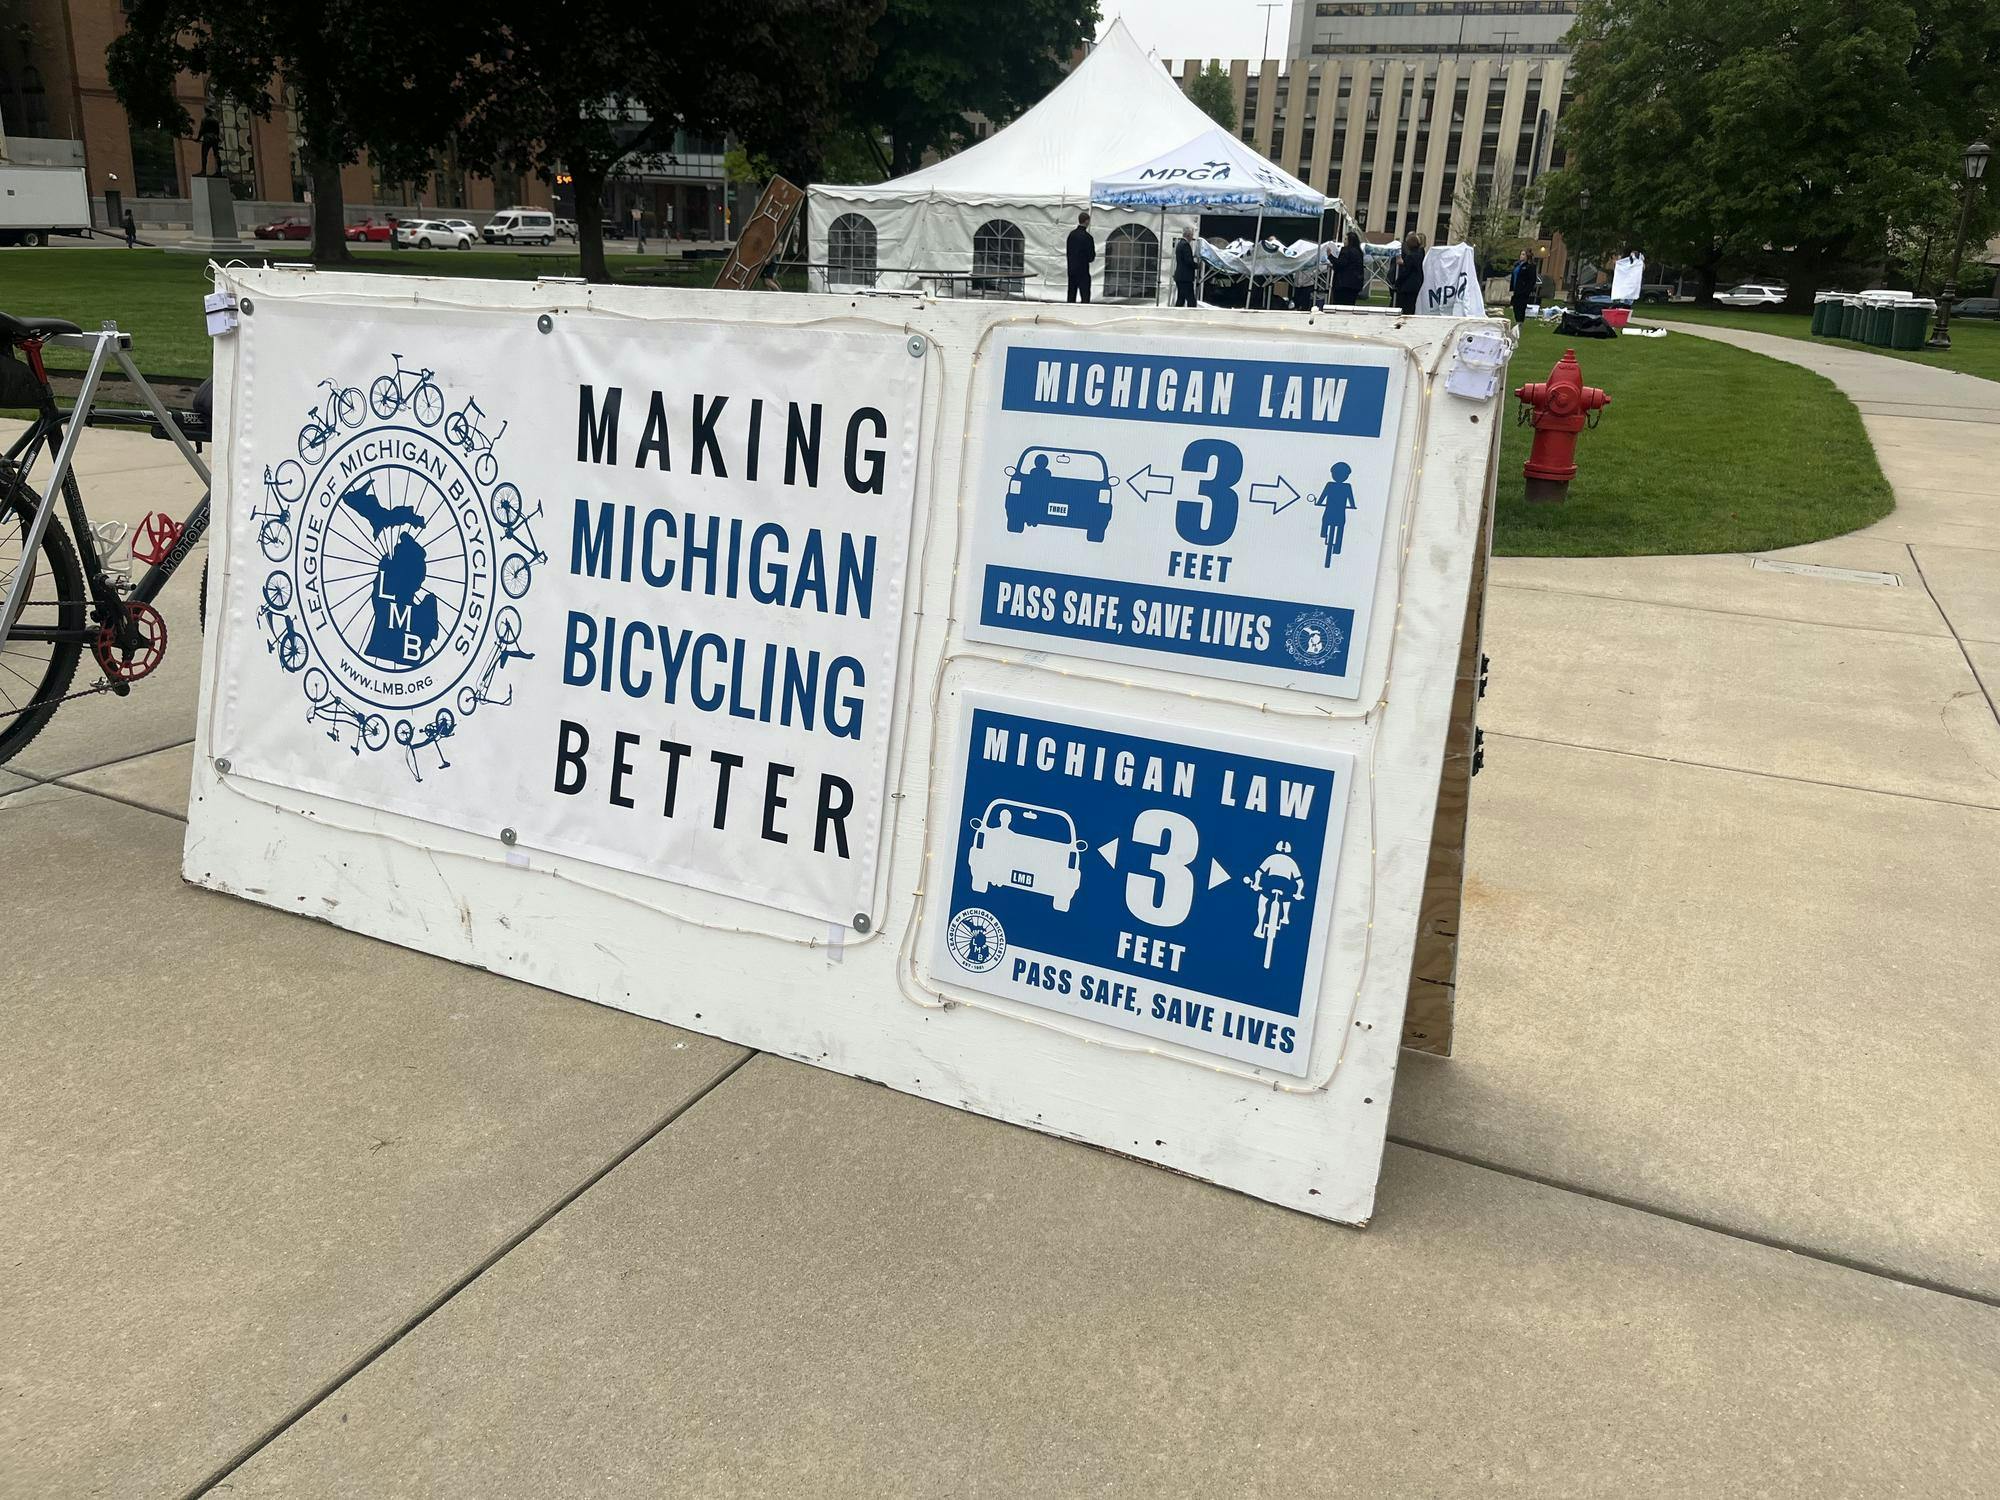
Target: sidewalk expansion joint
{"x": 437, "y": 1303}
{"x": 1978, "y": 681}
{"x": 1709, "y": 609}
{"x": 61, "y": 778}
{"x": 1713, "y": 1226}
{"x": 1709, "y": 765}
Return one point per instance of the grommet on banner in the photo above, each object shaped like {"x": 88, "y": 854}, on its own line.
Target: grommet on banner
{"x": 861, "y": 922}
{"x": 222, "y": 765}
{"x": 546, "y": 323}
{"x": 507, "y": 836}
{"x": 245, "y": 306}
{"x": 916, "y": 346}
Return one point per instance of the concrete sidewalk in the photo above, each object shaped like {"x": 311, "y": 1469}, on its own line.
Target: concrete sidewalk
{"x": 1704, "y": 1205}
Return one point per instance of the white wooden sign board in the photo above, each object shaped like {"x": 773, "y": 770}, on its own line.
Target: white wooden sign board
{"x": 636, "y": 709}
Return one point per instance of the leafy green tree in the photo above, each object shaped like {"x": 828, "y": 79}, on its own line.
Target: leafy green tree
{"x": 1212, "y": 90}
{"x": 1707, "y": 130}
{"x": 938, "y": 60}
{"x": 587, "y": 84}
{"x": 1494, "y": 217}
{"x": 368, "y": 76}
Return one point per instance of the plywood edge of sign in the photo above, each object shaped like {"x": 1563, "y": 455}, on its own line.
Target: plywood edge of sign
{"x": 1430, "y": 1018}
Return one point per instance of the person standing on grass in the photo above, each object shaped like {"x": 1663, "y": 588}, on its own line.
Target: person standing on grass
{"x": 1184, "y": 268}
{"x": 1409, "y": 283}
{"x": 1521, "y": 283}
{"x": 1350, "y": 272}
{"x": 1082, "y": 251}
{"x": 131, "y": 232}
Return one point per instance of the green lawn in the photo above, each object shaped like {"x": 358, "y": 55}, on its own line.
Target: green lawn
{"x": 155, "y": 295}
{"x": 1704, "y": 448}
{"x": 1975, "y": 342}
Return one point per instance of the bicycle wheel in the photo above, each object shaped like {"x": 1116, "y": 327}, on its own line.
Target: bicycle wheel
{"x": 384, "y": 397}
{"x": 288, "y": 481}
{"x": 507, "y": 507}
{"x": 353, "y": 410}
{"x": 38, "y": 673}
{"x": 278, "y": 590}
{"x": 485, "y": 467}
{"x": 374, "y": 731}
{"x": 275, "y": 537}
{"x": 291, "y": 651}
{"x": 312, "y": 443}
{"x": 317, "y": 686}
{"x": 428, "y": 403}
{"x": 507, "y": 625}
{"x": 516, "y": 575}
{"x": 468, "y": 700}
{"x": 454, "y": 429}
{"x": 406, "y": 732}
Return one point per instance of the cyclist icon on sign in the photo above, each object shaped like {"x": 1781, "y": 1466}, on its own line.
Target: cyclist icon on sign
{"x": 1278, "y": 882}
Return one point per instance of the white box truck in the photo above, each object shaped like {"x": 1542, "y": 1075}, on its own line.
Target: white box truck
{"x": 36, "y": 202}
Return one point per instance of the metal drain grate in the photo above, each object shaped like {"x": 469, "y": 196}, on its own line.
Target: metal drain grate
{"x": 1836, "y": 575}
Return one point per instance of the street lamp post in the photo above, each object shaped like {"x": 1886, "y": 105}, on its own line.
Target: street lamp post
{"x": 1576, "y": 255}
{"x": 1975, "y": 168}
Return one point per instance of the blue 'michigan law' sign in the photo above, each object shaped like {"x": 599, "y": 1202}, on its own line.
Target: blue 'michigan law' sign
{"x": 1172, "y": 883}
{"x": 1201, "y": 504}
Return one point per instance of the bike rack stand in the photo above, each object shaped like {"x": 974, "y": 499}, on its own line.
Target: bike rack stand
{"x": 103, "y": 345}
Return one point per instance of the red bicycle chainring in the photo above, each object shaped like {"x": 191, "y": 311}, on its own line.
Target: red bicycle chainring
{"x": 152, "y": 649}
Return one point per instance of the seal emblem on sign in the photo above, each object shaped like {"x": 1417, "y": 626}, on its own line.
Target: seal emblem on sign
{"x": 976, "y": 939}
{"x": 396, "y": 545}
{"x": 1314, "y": 638}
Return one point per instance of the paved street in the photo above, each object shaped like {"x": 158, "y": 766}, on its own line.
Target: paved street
{"x": 1705, "y": 1204}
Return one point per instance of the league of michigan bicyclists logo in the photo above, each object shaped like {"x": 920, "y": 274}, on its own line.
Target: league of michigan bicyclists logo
{"x": 397, "y": 552}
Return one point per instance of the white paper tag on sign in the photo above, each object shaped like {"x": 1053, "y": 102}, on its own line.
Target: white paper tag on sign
{"x": 221, "y": 310}
{"x": 1476, "y": 364}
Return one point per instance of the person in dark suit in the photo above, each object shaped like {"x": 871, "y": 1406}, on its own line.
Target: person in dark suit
{"x": 1184, "y": 268}
{"x": 1409, "y": 279}
{"x": 1522, "y": 283}
{"x": 1082, "y": 251}
{"x": 131, "y": 231}
{"x": 1350, "y": 272}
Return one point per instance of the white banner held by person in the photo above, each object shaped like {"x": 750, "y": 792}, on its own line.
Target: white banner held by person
{"x": 1451, "y": 283}
{"x": 1627, "y": 277}
{"x": 633, "y": 601}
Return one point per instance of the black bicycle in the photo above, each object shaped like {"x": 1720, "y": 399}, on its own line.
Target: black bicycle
{"x": 58, "y": 597}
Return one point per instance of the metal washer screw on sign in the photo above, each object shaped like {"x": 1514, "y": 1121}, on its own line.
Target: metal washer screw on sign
{"x": 861, "y": 922}
{"x": 246, "y": 306}
{"x": 916, "y": 346}
{"x": 222, "y": 765}
{"x": 507, "y": 836}
{"x": 546, "y": 323}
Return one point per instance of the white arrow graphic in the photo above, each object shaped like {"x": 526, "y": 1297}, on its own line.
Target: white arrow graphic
{"x": 1216, "y": 874}
{"x": 1146, "y": 484}
{"x": 1110, "y": 853}
{"x": 1267, "y": 494}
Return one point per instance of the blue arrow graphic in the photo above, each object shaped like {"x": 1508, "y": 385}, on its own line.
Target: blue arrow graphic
{"x": 1267, "y": 494}
{"x": 1146, "y": 484}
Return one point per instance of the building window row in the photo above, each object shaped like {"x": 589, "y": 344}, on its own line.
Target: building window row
{"x": 1436, "y": 49}
{"x": 1446, "y": 8}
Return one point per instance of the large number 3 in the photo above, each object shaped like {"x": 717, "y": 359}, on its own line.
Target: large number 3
{"x": 1217, "y": 488}
{"x": 1165, "y": 897}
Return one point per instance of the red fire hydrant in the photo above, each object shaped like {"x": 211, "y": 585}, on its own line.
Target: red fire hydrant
{"x": 1558, "y": 408}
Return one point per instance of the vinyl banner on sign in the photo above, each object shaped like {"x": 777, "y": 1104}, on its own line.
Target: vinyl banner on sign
{"x": 634, "y": 594}
{"x": 1211, "y": 505}
{"x": 1168, "y": 882}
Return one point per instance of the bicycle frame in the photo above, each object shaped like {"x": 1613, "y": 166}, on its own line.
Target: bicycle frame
{"x": 104, "y": 346}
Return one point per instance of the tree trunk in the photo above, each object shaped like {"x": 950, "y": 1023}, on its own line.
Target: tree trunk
{"x": 1705, "y": 278}
{"x": 904, "y": 155}
{"x": 329, "y": 216}
{"x": 587, "y": 184}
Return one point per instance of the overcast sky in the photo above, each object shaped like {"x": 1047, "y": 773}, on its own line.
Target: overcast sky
{"x": 1200, "y": 28}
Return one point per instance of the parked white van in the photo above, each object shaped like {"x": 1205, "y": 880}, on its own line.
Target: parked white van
{"x": 520, "y": 226}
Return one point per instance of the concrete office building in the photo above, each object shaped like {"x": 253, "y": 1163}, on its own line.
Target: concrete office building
{"x": 1404, "y": 109}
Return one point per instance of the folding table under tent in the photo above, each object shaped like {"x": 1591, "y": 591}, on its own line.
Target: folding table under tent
{"x": 1002, "y": 209}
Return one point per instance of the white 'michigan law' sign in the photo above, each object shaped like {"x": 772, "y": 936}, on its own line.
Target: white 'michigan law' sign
{"x": 1036, "y": 710}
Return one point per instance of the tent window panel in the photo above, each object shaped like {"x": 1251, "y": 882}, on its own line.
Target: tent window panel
{"x": 999, "y": 257}
{"x": 1132, "y": 262}
{"x": 850, "y": 251}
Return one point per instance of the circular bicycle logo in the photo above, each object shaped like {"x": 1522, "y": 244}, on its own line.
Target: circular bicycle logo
{"x": 1314, "y": 638}
{"x": 397, "y": 547}
{"x": 976, "y": 939}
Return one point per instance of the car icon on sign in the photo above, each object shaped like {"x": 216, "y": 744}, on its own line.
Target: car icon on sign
{"x": 1060, "y": 487}
{"x": 1026, "y": 848}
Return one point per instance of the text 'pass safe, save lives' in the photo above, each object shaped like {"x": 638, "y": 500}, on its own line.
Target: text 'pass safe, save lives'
{"x": 1171, "y": 883}
{"x": 1211, "y": 505}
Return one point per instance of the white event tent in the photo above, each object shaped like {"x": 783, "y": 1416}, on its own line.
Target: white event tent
{"x": 1003, "y": 208}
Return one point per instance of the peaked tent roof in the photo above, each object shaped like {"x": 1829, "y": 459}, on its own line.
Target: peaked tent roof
{"x": 1214, "y": 170}
{"x": 1116, "y": 107}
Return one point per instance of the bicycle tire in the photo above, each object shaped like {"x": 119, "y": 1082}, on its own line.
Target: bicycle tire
{"x": 427, "y": 398}
{"x": 384, "y": 397}
{"x": 516, "y": 574}
{"x": 72, "y": 605}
